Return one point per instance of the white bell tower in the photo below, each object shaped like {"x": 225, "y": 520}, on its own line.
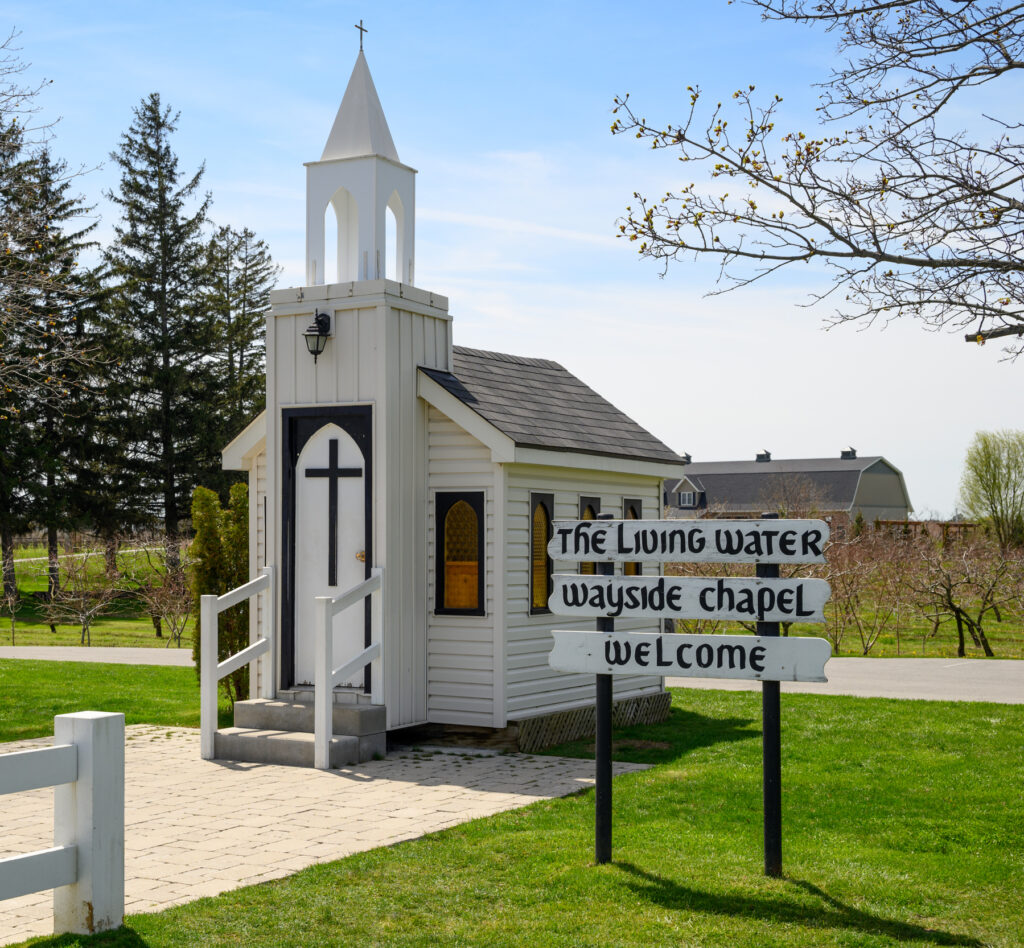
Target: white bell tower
{"x": 360, "y": 175}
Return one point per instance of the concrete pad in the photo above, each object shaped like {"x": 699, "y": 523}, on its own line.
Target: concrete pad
{"x": 178, "y": 657}
{"x": 196, "y": 827}
{"x": 933, "y": 679}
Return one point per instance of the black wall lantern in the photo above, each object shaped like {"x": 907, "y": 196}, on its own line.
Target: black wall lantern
{"x": 316, "y": 334}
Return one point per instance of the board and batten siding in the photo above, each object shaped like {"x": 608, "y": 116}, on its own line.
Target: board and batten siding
{"x": 532, "y": 687}
{"x": 460, "y": 649}
{"x": 381, "y": 333}
{"x": 257, "y": 552}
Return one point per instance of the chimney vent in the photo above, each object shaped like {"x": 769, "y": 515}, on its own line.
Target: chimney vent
{"x": 765, "y": 455}
{"x": 848, "y": 454}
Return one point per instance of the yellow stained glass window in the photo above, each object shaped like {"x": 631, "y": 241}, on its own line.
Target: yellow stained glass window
{"x": 461, "y": 557}
{"x": 539, "y": 557}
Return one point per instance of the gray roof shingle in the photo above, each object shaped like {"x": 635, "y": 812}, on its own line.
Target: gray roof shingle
{"x": 538, "y": 404}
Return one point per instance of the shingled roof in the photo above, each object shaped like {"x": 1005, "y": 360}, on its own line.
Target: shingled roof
{"x": 538, "y": 404}
{"x": 746, "y": 486}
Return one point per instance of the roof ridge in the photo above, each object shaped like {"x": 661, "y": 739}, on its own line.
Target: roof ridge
{"x": 507, "y": 357}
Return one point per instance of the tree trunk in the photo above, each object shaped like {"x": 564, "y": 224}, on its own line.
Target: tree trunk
{"x": 52, "y": 562}
{"x": 960, "y": 646}
{"x": 983, "y": 640}
{"x": 10, "y": 576}
{"x": 157, "y": 625}
{"x": 110, "y": 547}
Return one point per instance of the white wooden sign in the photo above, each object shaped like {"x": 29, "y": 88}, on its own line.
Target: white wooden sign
{"x": 690, "y": 597}
{"x": 690, "y": 541}
{"x": 690, "y": 656}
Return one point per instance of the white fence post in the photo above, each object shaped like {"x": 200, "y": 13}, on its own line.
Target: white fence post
{"x": 268, "y": 673}
{"x": 207, "y": 675}
{"x": 377, "y": 635}
{"x": 89, "y": 814}
{"x": 323, "y": 694}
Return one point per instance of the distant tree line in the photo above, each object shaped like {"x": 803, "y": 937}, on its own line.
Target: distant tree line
{"x": 124, "y": 368}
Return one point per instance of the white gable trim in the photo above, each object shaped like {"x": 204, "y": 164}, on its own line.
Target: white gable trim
{"x": 502, "y": 447}
{"x": 505, "y": 451}
{"x": 245, "y": 446}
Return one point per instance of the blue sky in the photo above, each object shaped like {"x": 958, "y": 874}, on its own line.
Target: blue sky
{"x": 505, "y": 109}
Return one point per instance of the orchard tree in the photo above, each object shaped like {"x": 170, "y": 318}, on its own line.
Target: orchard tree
{"x": 992, "y": 486}
{"x": 913, "y": 214}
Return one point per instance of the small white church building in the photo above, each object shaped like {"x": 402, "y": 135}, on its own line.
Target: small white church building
{"x": 392, "y": 450}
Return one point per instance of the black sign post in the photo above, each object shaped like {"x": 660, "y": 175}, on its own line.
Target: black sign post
{"x": 771, "y": 744}
{"x": 603, "y": 743}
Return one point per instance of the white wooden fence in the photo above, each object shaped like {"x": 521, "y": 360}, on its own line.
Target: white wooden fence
{"x": 210, "y": 672}
{"x": 85, "y": 866}
{"x": 327, "y": 676}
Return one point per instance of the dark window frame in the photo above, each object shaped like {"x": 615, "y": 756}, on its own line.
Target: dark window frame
{"x": 548, "y": 500}
{"x": 443, "y": 503}
{"x": 637, "y": 505}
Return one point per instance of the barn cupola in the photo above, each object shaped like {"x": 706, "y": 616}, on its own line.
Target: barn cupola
{"x": 370, "y": 192}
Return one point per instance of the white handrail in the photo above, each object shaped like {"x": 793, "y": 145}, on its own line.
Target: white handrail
{"x": 211, "y": 672}
{"x": 326, "y": 676}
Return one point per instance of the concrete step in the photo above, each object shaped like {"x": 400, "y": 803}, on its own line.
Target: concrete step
{"x": 342, "y": 695}
{"x": 362, "y": 720}
{"x": 294, "y": 748}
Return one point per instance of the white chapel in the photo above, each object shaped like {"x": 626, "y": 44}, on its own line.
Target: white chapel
{"x": 385, "y": 450}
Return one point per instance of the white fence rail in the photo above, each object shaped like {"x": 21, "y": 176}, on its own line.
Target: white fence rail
{"x": 327, "y": 676}
{"x": 85, "y": 866}
{"x": 262, "y": 650}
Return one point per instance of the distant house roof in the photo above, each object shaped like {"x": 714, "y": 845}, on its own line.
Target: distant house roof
{"x": 537, "y": 403}
{"x": 746, "y": 486}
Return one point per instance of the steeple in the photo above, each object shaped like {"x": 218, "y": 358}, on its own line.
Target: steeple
{"x": 360, "y": 176}
{"x": 360, "y": 128}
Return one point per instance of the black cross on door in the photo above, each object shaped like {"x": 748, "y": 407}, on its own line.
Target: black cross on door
{"x": 333, "y": 472}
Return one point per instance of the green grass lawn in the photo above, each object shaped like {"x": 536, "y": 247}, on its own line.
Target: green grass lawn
{"x": 901, "y": 824}
{"x": 31, "y": 693}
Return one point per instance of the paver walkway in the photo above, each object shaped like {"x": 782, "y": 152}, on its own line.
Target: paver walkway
{"x": 195, "y": 828}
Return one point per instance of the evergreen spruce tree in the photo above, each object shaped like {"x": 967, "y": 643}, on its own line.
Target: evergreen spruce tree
{"x": 45, "y": 345}
{"x": 163, "y": 336}
{"x": 241, "y": 275}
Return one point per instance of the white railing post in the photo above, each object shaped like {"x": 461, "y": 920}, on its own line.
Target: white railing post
{"x": 323, "y": 694}
{"x": 268, "y": 676}
{"x": 89, "y": 814}
{"x": 376, "y": 635}
{"x": 207, "y": 675}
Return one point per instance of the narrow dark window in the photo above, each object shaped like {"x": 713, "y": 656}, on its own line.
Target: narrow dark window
{"x": 541, "y": 508}
{"x": 590, "y": 507}
{"x": 460, "y": 553}
{"x": 631, "y": 510}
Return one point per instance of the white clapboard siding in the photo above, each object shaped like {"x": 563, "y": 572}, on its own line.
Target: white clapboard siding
{"x": 460, "y": 649}
{"x": 381, "y": 333}
{"x": 532, "y": 687}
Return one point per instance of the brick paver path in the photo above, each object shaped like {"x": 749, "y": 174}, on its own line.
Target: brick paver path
{"x": 195, "y": 828}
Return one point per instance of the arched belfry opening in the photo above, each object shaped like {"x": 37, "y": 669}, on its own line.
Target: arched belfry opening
{"x": 361, "y": 178}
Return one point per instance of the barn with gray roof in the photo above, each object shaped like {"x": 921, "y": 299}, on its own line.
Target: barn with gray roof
{"x": 845, "y": 485}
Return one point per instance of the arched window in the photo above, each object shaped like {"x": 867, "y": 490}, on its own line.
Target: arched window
{"x": 541, "y": 506}
{"x": 460, "y": 553}
{"x": 631, "y": 511}
{"x": 589, "y": 509}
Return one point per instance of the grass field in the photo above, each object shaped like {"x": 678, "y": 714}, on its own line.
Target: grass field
{"x": 901, "y": 824}
{"x": 31, "y": 693}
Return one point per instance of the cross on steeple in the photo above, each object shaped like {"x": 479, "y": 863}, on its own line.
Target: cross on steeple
{"x": 362, "y": 29}
{"x": 332, "y": 472}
